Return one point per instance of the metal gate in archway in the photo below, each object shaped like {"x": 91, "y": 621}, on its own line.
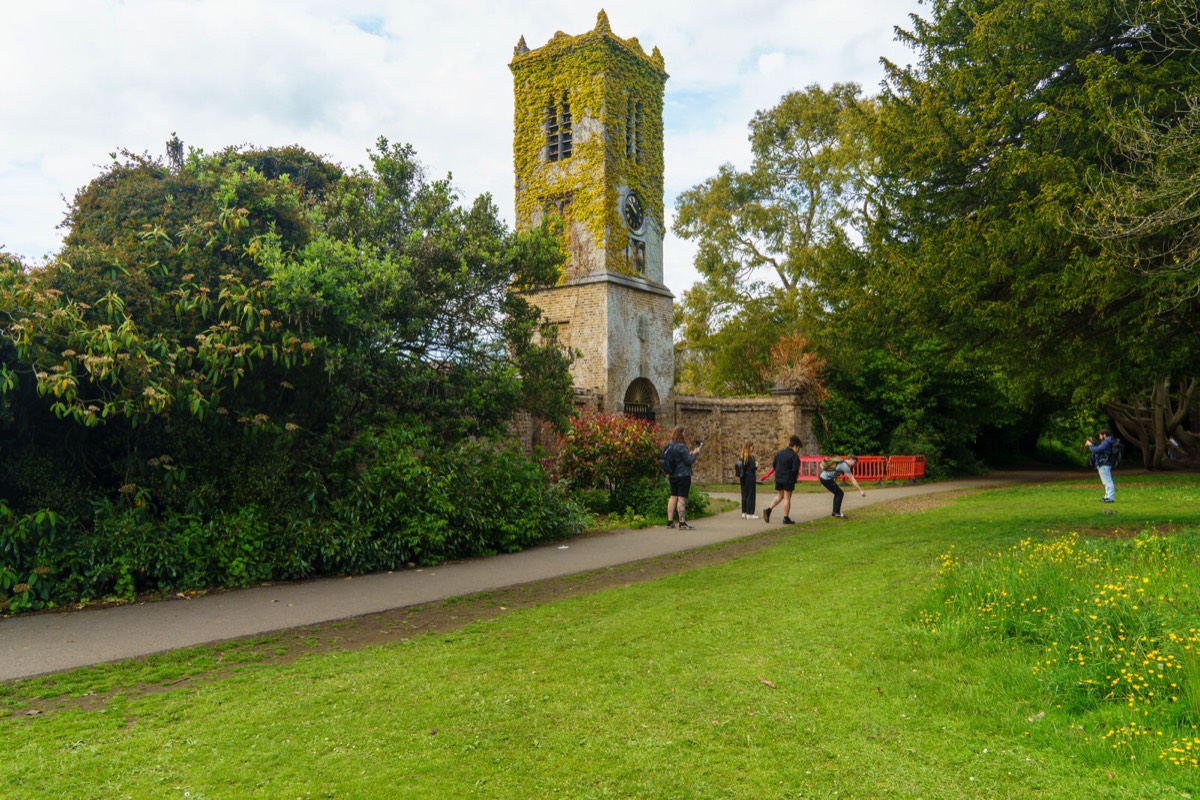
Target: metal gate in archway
{"x": 641, "y": 399}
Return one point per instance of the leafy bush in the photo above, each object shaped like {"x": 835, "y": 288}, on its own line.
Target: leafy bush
{"x": 389, "y": 505}
{"x": 394, "y": 499}
{"x": 848, "y": 426}
{"x": 648, "y": 496}
{"x": 31, "y": 549}
{"x": 596, "y": 501}
{"x": 130, "y": 550}
{"x": 640, "y": 504}
{"x": 607, "y": 451}
{"x": 41, "y": 477}
{"x": 498, "y": 487}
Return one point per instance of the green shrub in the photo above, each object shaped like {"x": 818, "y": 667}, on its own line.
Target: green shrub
{"x": 607, "y": 451}
{"x": 23, "y": 591}
{"x": 261, "y": 389}
{"x": 413, "y": 501}
{"x": 1053, "y": 451}
{"x": 561, "y": 515}
{"x": 34, "y": 478}
{"x": 239, "y": 548}
{"x": 1062, "y": 436}
{"x": 597, "y": 501}
{"x": 393, "y": 506}
{"x": 501, "y": 490}
{"x": 393, "y": 498}
{"x": 647, "y": 497}
{"x": 33, "y": 548}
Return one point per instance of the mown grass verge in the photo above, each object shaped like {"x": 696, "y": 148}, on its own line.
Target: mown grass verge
{"x": 814, "y": 668}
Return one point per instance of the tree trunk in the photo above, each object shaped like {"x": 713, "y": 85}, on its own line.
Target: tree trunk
{"x": 1163, "y": 430}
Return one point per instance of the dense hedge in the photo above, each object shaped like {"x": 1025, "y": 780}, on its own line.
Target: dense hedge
{"x": 409, "y": 504}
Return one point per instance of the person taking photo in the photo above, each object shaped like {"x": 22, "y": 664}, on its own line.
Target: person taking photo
{"x": 1102, "y": 458}
{"x": 678, "y": 460}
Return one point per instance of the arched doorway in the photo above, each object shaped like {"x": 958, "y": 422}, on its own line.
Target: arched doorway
{"x": 641, "y": 399}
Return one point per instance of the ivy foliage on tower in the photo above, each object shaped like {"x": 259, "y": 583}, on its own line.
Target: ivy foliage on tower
{"x": 599, "y": 73}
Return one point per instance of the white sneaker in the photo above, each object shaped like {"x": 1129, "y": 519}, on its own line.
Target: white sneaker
{"x": 743, "y": 515}
{"x": 750, "y": 516}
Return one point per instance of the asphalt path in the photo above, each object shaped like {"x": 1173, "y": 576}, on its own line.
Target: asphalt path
{"x": 39, "y": 644}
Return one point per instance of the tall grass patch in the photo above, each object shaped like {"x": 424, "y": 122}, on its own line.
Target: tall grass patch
{"x": 1107, "y": 619}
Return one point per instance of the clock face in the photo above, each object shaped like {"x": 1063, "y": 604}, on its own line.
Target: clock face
{"x": 632, "y": 209}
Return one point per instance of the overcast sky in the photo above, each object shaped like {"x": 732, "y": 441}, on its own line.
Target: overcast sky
{"x": 84, "y": 78}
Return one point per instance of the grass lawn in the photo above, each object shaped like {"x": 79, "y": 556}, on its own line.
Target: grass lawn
{"x": 805, "y": 670}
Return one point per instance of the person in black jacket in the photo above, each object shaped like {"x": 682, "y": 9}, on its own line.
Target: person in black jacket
{"x": 786, "y": 470}
{"x": 678, "y": 460}
{"x": 749, "y": 480}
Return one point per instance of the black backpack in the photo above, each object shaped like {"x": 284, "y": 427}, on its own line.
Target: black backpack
{"x": 739, "y": 467}
{"x": 1115, "y": 456}
{"x": 665, "y": 460}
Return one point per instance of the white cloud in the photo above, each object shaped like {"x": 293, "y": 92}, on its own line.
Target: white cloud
{"x": 88, "y": 77}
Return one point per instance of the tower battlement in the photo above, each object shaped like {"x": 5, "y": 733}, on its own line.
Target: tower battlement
{"x": 561, "y": 42}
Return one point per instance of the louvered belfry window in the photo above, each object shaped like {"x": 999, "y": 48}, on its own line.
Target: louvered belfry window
{"x": 633, "y": 145}
{"x": 558, "y": 129}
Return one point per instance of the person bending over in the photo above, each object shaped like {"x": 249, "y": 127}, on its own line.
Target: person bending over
{"x": 829, "y": 479}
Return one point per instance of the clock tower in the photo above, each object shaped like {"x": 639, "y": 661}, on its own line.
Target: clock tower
{"x": 588, "y": 149}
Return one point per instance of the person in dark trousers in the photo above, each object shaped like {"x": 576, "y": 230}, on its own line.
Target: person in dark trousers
{"x": 749, "y": 480}
{"x": 1102, "y": 458}
{"x": 679, "y": 460}
{"x": 829, "y": 479}
{"x": 786, "y": 469}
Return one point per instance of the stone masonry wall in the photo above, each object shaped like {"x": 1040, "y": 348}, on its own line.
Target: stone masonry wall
{"x": 580, "y": 312}
{"x": 622, "y": 330}
{"x": 640, "y": 342}
{"x": 724, "y": 423}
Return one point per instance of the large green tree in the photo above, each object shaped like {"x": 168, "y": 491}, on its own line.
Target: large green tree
{"x": 765, "y": 234}
{"x": 1145, "y": 214}
{"x": 204, "y": 298}
{"x": 783, "y": 261}
{"x": 987, "y": 149}
{"x": 414, "y": 295}
{"x": 255, "y": 365}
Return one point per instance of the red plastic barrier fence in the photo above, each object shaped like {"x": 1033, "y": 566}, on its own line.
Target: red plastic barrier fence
{"x": 870, "y": 468}
{"x": 810, "y": 467}
{"x": 906, "y": 468}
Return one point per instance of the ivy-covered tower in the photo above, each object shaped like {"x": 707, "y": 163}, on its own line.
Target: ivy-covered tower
{"x": 588, "y": 148}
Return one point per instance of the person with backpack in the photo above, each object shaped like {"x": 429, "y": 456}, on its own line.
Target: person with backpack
{"x": 786, "y": 470}
{"x": 677, "y": 460}
{"x": 1102, "y": 459}
{"x": 746, "y": 470}
{"x": 831, "y": 469}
